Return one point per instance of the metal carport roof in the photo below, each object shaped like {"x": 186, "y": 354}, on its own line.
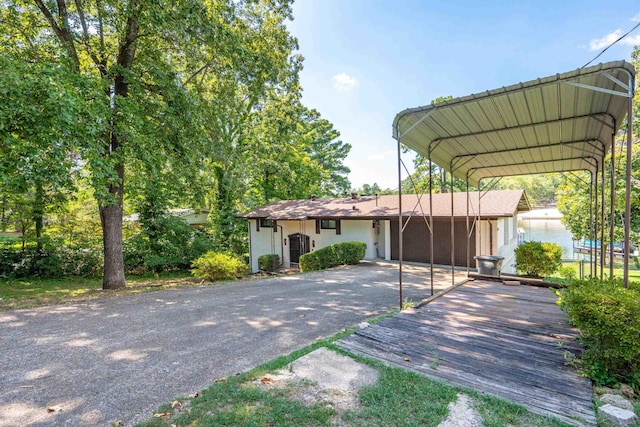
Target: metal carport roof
{"x": 564, "y": 122}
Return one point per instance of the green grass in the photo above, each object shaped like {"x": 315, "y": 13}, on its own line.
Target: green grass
{"x": 398, "y": 398}
{"x": 33, "y": 292}
{"x": 634, "y": 274}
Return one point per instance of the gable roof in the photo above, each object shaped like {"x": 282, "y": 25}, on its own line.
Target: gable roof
{"x": 497, "y": 203}
{"x": 558, "y": 123}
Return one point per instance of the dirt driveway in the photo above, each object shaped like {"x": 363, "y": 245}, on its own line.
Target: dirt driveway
{"x": 118, "y": 359}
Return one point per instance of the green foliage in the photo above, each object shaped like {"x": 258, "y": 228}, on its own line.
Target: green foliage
{"x": 349, "y": 253}
{"x": 269, "y": 262}
{"x": 538, "y": 259}
{"x": 540, "y": 189}
{"x": 214, "y": 266}
{"x": 608, "y": 316}
{"x": 52, "y": 260}
{"x": 165, "y": 243}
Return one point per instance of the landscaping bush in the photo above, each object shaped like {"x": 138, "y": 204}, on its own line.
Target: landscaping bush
{"x": 333, "y": 255}
{"x": 170, "y": 245}
{"x": 218, "y": 266}
{"x": 538, "y": 259}
{"x": 269, "y": 262}
{"x": 608, "y": 316}
{"x": 52, "y": 261}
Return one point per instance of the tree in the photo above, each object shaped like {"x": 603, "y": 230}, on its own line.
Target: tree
{"x": 139, "y": 54}
{"x": 44, "y": 120}
{"x": 573, "y": 192}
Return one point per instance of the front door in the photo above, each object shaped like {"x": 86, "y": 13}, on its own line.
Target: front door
{"x": 298, "y": 245}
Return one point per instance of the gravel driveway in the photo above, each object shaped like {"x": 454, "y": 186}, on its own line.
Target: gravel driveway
{"x": 118, "y": 359}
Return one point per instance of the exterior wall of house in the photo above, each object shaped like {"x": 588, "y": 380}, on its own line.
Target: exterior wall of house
{"x": 263, "y": 242}
{"x": 507, "y": 242}
{"x": 387, "y": 240}
{"x": 267, "y": 241}
{"x": 196, "y": 218}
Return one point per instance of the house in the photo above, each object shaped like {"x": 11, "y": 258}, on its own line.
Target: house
{"x": 195, "y": 218}
{"x": 290, "y": 228}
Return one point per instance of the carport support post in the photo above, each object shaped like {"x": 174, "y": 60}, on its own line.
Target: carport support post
{"x": 612, "y": 222}
{"x": 595, "y": 224}
{"x": 468, "y": 234}
{"x": 400, "y": 228}
{"x": 453, "y": 237}
{"x": 430, "y": 218}
{"x": 627, "y": 201}
{"x": 592, "y": 245}
{"x": 603, "y": 251}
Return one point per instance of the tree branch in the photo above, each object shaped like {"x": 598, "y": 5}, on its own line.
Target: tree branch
{"x": 63, "y": 34}
{"x": 85, "y": 34}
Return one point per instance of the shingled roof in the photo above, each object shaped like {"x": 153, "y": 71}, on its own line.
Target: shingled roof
{"x": 497, "y": 203}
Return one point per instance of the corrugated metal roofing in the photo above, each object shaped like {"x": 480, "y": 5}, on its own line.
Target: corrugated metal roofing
{"x": 545, "y": 125}
{"x": 497, "y": 203}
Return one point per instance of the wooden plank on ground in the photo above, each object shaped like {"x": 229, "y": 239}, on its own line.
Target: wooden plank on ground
{"x": 501, "y": 340}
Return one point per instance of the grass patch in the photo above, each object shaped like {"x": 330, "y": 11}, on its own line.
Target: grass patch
{"x": 399, "y": 398}
{"x": 26, "y": 293}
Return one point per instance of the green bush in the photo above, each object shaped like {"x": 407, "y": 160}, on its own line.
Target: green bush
{"x": 333, "y": 255}
{"x": 269, "y": 262}
{"x": 538, "y": 259}
{"x": 608, "y": 316}
{"x": 218, "y": 266}
{"x": 52, "y": 261}
{"x": 171, "y": 244}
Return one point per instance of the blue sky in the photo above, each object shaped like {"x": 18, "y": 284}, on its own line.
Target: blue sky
{"x": 366, "y": 60}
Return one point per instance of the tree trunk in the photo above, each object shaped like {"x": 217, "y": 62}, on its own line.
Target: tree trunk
{"x": 111, "y": 220}
{"x": 38, "y": 215}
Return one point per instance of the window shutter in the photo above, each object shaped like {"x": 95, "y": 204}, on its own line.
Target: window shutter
{"x": 317, "y": 226}
{"x": 275, "y": 226}
{"x": 258, "y": 224}
{"x": 338, "y": 229}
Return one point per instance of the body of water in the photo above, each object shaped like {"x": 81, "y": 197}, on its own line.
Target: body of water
{"x": 544, "y": 225}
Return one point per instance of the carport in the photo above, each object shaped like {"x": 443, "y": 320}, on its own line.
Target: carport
{"x": 562, "y": 123}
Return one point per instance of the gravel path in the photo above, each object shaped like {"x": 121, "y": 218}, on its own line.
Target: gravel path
{"x": 117, "y": 359}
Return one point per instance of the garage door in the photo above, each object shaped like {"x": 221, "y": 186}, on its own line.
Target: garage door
{"x": 416, "y": 242}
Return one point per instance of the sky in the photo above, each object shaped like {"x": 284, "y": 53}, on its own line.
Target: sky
{"x": 367, "y": 60}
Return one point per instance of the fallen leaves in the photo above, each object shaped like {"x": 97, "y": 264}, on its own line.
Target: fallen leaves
{"x": 219, "y": 380}
{"x": 406, "y": 359}
{"x": 194, "y": 395}
{"x": 56, "y": 408}
{"x": 266, "y": 380}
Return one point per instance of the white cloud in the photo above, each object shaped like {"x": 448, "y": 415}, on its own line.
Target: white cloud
{"x": 636, "y": 18}
{"x": 343, "y": 82}
{"x": 597, "y": 44}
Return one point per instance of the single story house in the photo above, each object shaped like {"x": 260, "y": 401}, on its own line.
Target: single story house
{"x": 195, "y": 218}
{"x": 290, "y": 228}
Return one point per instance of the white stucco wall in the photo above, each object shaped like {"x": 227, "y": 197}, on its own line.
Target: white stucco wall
{"x": 506, "y": 247}
{"x": 267, "y": 241}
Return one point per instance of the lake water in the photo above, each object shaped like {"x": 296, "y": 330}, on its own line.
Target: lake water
{"x": 550, "y": 229}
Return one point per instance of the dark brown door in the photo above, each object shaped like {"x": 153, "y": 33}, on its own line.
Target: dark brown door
{"x": 416, "y": 242}
{"x": 298, "y": 245}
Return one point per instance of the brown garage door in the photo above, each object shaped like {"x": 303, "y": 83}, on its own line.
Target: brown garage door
{"x": 416, "y": 242}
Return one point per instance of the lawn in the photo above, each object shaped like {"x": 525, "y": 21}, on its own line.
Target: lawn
{"x": 25, "y": 293}
{"x": 634, "y": 273}
{"x": 398, "y": 398}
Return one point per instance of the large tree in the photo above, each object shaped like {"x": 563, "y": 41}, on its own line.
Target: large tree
{"x": 139, "y": 51}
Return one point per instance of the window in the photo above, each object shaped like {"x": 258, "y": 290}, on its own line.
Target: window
{"x": 328, "y": 224}
{"x": 267, "y": 223}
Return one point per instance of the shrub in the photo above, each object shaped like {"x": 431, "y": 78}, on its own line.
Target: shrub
{"x": 218, "y": 266}
{"x": 333, "y": 255}
{"x": 608, "y": 316}
{"x": 52, "y": 261}
{"x": 171, "y": 245}
{"x": 538, "y": 259}
{"x": 269, "y": 262}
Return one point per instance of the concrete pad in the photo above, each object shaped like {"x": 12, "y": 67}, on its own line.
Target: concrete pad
{"x": 616, "y": 416}
{"x": 331, "y": 370}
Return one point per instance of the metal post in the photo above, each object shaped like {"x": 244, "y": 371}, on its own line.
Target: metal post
{"x": 400, "y": 228}
{"x": 612, "y": 208}
{"x": 595, "y": 224}
{"x": 603, "y": 251}
{"x": 453, "y": 236}
{"x": 479, "y": 223}
{"x": 430, "y": 219}
{"x": 468, "y": 234}
{"x": 591, "y": 246}
{"x": 627, "y": 200}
